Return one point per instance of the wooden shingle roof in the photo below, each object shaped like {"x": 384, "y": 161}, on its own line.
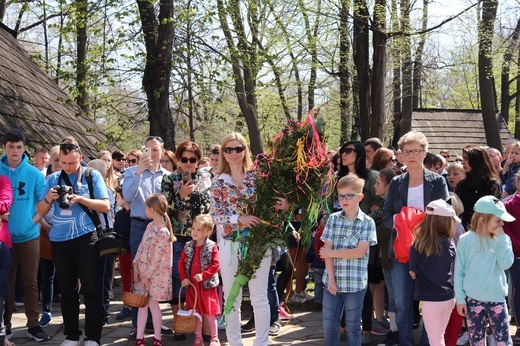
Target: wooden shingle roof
{"x": 31, "y": 101}
{"x": 454, "y": 129}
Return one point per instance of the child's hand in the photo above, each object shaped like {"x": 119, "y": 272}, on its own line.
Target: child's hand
{"x": 462, "y": 309}
{"x": 326, "y": 252}
{"x": 497, "y": 231}
{"x": 198, "y": 277}
{"x": 332, "y": 287}
{"x": 412, "y": 275}
{"x": 145, "y": 281}
{"x": 185, "y": 283}
{"x": 136, "y": 275}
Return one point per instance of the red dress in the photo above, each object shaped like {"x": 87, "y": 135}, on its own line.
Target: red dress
{"x": 208, "y": 302}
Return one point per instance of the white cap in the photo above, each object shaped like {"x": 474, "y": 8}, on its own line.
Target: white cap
{"x": 441, "y": 208}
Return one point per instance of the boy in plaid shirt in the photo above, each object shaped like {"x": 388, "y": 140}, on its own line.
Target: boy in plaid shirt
{"x": 348, "y": 236}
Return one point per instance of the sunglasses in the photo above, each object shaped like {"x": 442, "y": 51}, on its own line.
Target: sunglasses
{"x": 68, "y": 147}
{"x": 151, "y": 138}
{"x": 236, "y": 150}
{"x": 132, "y": 160}
{"x": 191, "y": 159}
{"x": 347, "y": 150}
{"x": 121, "y": 159}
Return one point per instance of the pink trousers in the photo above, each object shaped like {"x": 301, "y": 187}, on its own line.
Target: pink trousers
{"x": 435, "y": 317}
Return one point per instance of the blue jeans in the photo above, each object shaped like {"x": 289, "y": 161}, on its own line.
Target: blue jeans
{"x": 318, "y": 285}
{"x": 352, "y": 304}
{"x": 514, "y": 274}
{"x": 47, "y": 283}
{"x": 403, "y": 299}
{"x": 272, "y": 296}
{"x": 387, "y": 273}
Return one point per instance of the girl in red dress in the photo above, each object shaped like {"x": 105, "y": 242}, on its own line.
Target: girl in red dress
{"x": 199, "y": 264}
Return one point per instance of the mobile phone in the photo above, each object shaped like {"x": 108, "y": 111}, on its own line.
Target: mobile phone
{"x": 186, "y": 176}
{"x": 147, "y": 152}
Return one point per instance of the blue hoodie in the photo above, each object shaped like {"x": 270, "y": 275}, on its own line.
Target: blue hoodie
{"x": 28, "y": 184}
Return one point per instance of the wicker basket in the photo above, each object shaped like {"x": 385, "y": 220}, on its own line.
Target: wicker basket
{"x": 185, "y": 324}
{"x": 135, "y": 300}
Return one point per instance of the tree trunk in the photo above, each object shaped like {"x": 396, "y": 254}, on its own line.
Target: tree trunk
{"x": 82, "y": 96}
{"x": 406, "y": 82}
{"x": 158, "y": 35}
{"x": 361, "y": 57}
{"x": 485, "y": 73}
{"x": 379, "y": 70}
{"x": 242, "y": 58}
{"x": 396, "y": 78}
{"x": 417, "y": 64}
{"x": 517, "y": 100}
{"x": 345, "y": 87}
{"x": 505, "y": 101}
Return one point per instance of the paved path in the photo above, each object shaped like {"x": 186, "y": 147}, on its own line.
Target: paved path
{"x": 304, "y": 329}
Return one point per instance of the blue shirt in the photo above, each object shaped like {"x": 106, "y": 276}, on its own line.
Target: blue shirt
{"x": 137, "y": 188}
{"x": 351, "y": 274}
{"x": 73, "y": 222}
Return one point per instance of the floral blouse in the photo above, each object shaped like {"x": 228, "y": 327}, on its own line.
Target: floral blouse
{"x": 183, "y": 211}
{"x": 226, "y": 205}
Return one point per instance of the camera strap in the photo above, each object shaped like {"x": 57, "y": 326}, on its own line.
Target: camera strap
{"x": 92, "y": 214}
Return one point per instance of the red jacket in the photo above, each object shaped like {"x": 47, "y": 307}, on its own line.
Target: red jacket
{"x": 512, "y": 229}
{"x": 404, "y": 223}
{"x": 6, "y": 199}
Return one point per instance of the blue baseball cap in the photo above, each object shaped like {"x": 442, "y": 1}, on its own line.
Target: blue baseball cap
{"x": 492, "y": 205}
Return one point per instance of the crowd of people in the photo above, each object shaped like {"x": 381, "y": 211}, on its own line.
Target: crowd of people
{"x": 403, "y": 233}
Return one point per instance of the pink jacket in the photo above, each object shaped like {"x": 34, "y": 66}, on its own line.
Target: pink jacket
{"x": 6, "y": 199}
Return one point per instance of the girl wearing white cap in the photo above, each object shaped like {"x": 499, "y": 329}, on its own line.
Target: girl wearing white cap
{"x": 431, "y": 261}
{"x": 483, "y": 255}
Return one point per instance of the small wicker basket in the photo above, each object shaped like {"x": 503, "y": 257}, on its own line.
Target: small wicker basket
{"x": 185, "y": 324}
{"x": 135, "y": 300}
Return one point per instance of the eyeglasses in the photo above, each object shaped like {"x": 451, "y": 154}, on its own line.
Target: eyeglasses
{"x": 170, "y": 161}
{"x": 120, "y": 159}
{"x": 415, "y": 152}
{"x": 151, "y": 138}
{"x": 191, "y": 159}
{"x": 68, "y": 147}
{"x": 236, "y": 150}
{"x": 347, "y": 150}
{"x": 347, "y": 196}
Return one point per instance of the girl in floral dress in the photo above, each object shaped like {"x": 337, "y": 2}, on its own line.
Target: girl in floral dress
{"x": 483, "y": 255}
{"x": 199, "y": 264}
{"x": 153, "y": 266}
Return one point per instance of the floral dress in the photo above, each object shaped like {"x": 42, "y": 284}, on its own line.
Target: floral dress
{"x": 154, "y": 261}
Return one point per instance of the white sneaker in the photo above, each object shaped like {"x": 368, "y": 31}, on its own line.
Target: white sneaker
{"x": 463, "y": 339}
{"x": 90, "y": 343}
{"x": 296, "y": 299}
{"x": 304, "y": 295}
{"x": 70, "y": 343}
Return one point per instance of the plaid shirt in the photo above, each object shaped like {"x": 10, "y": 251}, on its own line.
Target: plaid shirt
{"x": 351, "y": 274}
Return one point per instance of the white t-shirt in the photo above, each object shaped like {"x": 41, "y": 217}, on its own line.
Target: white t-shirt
{"x": 416, "y": 197}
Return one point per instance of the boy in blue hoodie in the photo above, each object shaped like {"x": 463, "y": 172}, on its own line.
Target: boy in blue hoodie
{"x": 28, "y": 183}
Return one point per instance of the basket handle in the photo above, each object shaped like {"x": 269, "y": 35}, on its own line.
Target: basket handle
{"x": 196, "y": 294}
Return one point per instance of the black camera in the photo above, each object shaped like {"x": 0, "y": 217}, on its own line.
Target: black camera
{"x": 63, "y": 191}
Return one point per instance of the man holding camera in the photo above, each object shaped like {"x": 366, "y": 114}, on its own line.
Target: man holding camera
{"x": 28, "y": 183}
{"x": 73, "y": 237}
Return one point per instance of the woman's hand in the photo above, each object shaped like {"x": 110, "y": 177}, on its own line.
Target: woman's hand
{"x": 281, "y": 203}
{"x": 198, "y": 277}
{"x": 187, "y": 189}
{"x": 185, "y": 283}
{"x": 5, "y": 216}
{"x": 249, "y": 220}
{"x": 412, "y": 274}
